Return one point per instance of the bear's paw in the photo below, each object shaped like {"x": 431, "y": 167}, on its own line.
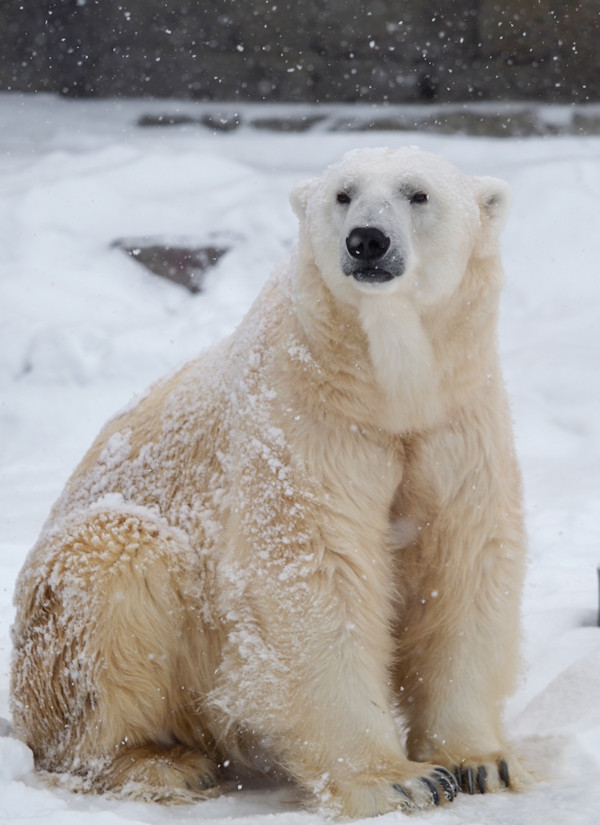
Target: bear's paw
{"x": 496, "y": 772}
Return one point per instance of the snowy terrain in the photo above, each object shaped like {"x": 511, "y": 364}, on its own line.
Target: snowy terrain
{"x": 83, "y": 327}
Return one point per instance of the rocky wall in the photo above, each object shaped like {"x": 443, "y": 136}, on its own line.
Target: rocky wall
{"x": 332, "y": 50}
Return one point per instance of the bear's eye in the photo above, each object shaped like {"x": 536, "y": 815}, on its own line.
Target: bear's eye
{"x": 343, "y": 198}
{"x": 419, "y": 197}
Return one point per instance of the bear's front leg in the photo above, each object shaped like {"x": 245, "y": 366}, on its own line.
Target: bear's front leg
{"x": 458, "y": 617}
{"x": 306, "y": 669}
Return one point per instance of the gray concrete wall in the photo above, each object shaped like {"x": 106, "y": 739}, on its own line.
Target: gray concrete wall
{"x": 332, "y": 50}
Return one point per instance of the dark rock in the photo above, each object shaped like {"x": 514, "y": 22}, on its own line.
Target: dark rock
{"x": 166, "y": 120}
{"x": 301, "y": 123}
{"x": 222, "y": 122}
{"x": 183, "y": 265}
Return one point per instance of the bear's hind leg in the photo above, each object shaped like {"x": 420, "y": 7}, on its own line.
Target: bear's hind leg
{"x": 112, "y": 659}
{"x": 153, "y": 774}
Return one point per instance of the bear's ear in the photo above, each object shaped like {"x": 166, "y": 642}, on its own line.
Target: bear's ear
{"x": 494, "y": 197}
{"x": 300, "y": 195}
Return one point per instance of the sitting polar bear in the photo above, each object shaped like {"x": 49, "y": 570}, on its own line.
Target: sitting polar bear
{"x": 312, "y": 527}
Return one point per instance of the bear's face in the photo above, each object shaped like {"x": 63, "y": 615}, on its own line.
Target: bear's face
{"x": 402, "y": 221}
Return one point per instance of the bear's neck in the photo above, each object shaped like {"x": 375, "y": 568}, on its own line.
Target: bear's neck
{"x": 385, "y": 365}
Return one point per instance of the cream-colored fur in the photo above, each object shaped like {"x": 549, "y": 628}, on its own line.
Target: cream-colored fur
{"x": 314, "y": 524}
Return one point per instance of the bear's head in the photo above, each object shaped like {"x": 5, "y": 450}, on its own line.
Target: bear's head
{"x": 401, "y": 221}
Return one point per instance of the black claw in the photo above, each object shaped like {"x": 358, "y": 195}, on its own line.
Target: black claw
{"x": 459, "y": 777}
{"x": 450, "y": 776}
{"x": 470, "y": 780}
{"x": 481, "y": 779}
{"x": 399, "y": 789}
{"x": 432, "y": 790}
{"x": 503, "y": 771}
{"x": 447, "y": 781}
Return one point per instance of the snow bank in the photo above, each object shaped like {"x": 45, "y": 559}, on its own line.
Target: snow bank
{"x": 82, "y": 327}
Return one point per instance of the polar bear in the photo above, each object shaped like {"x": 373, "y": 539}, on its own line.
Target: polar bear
{"x": 308, "y": 537}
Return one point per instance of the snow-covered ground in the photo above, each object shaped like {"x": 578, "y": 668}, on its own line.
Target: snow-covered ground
{"x": 83, "y": 327}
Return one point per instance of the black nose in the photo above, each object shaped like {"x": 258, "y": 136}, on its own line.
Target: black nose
{"x": 366, "y": 243}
